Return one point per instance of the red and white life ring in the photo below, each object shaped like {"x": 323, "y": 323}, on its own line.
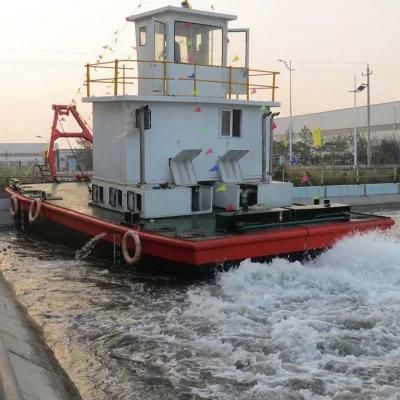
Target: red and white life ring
{"x": 14, "y": 205}
{"x": 138, "y": 248}
{"x": 34, "y": 212}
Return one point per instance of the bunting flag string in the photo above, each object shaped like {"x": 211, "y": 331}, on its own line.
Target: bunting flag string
{"x": 236, "y": 58}
{"x": 214, "y": 169}
{"x": 221, "y": 188}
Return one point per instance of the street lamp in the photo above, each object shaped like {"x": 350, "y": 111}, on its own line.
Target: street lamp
{"x": 355, "y": 91}
{"x": 288, "y": 66}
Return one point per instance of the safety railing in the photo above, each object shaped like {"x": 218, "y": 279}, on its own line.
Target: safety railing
{"x": 119, "y": 75}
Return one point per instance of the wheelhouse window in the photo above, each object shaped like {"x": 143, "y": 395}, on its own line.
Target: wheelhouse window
{"x": 231, "y": 122}
{"x": 198, "y": 44}
{"x": 159, "y": 41}
{"x": 142, "y": 36}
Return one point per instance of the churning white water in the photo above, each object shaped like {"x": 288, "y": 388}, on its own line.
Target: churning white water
{"x": 328, "y": 328}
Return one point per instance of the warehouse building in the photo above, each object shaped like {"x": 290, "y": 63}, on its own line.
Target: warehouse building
{"x": 384, "y": 122}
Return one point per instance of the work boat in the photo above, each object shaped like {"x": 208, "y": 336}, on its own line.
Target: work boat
{"x": 182, "y": 156}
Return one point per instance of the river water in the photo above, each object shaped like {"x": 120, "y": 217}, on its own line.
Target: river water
{"x": 322, "y": 329}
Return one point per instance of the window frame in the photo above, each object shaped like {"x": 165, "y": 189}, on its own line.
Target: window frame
{"x": 231, "y": 112}
{"x": 144, "y": 30}
{"x": 213, "y": 26}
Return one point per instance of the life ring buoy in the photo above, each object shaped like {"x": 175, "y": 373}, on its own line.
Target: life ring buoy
{"x": 138, "y": 248}
{"x": 34, "y": 212}
{"x": 14, "y": 205}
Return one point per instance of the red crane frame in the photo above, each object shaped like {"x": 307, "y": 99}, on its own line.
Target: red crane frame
{"x": 86, "y": 133}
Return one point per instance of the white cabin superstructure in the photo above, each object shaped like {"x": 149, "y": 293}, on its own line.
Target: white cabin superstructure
{"x": 180, "y": 135}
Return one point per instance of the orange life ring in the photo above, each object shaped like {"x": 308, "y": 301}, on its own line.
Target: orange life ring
{"x": 33, "y": 216}
{"x": 138, "y": 248}
{"x": 14, "y": 205}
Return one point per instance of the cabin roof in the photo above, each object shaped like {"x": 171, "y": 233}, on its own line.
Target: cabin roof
{"x": 180, "y": 10}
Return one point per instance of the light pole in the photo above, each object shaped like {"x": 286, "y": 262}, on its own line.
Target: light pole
{"x": 288, "y": 66}
{"x": 355, "y": 91}
{"x": 395, "y": 123}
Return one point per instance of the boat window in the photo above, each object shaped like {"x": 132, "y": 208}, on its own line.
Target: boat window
{"x": 231, "y": 121}
{"x": 225, "y": 123}
{"x": 198, "y": 44}
{"x": 159, "y": 41}
{"x": 100, "y": 194}
{"x": 236, "y": 122}
{"x": 119, "y": 198}
{"x": 95, "y": 193}
{"x": 112, "y": 196}
{"x": 131, "y": 201}
{"x": 142, "y": 36}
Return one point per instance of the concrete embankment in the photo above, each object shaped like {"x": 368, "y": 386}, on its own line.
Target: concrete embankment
{"x": 28, "y": 369}
{"x": 360, "y": 196}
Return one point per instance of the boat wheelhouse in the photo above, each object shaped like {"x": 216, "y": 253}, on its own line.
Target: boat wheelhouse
{"x": 180, "y": 133}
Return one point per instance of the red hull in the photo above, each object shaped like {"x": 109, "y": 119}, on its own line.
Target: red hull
{"x": 285, "y": 240}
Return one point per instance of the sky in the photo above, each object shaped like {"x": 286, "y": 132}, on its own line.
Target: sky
{"x": 45, "y": 44}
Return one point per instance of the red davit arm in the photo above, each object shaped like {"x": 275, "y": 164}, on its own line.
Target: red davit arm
{"x": 86, "y": 133}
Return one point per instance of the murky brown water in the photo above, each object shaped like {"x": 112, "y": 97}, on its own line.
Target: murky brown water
{"x": 325, "y": 329}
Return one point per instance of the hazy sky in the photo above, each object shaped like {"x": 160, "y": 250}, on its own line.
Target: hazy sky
{"x": 45, "y": 43}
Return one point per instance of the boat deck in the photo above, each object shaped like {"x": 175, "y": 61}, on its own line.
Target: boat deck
{"x": 75, "y": 196}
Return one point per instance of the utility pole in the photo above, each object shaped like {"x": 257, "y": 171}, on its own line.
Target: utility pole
{"x": 368, "y": 74}
{"x": 355, "y": 159}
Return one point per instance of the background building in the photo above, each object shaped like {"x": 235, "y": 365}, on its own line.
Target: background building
{"x": 22, "y": 153}
{"x": 384, "y": 122}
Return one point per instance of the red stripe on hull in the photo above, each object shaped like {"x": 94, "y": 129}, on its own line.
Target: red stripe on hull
{"x": 231, "y": 248}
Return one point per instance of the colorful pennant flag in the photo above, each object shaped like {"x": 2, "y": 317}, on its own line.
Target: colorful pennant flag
{"x": 209, "y": 151}
{"x": 317, "y": 137}
{"x": 236, "y": 59}
{"x": 227, "y": 40}
{"x": 274, "y": 126}
{"x": 214, "y": 169}
{"x": 253, "y": 91}
{"x": 193, "y": 76}
{"x": 198, "y": 109}
{"x": 195, "y": 93}
{"x": 105, "y": 47}
{"x": 221, "y": 188}
{"x": 115, "y": 32}
{"x": 230, "y": 208}
{"x": 305, "y": 179}
{"x": 263, "y": 108}
{"x": 212, "y": 7}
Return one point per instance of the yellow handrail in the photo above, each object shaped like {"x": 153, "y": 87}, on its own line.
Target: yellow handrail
{"x": 120, "y": 65}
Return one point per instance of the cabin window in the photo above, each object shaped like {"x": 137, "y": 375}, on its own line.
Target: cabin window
{"x": 159, "y": 41}
{"x": 131, "y": 201}
{"x": 97, "y": 194}
{"x": 115, "y": 197}
{"x": 198, "y": 44}
{"x": 231, "y": 121}
{"x": 100, "y": 194}
{"x": 142, "y": 36}
{"x": 112, "y": 197}
{"x": 134, "y": 201}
